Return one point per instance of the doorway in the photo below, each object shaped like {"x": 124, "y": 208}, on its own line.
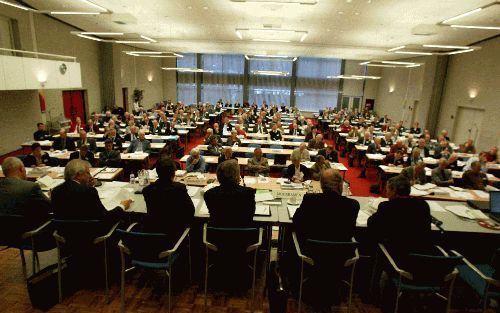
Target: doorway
{"x": 350, "y": 103}
{"x": 125, "y": 99}
{"x": 74, "y": 104}
{"x": 467, "y": 124}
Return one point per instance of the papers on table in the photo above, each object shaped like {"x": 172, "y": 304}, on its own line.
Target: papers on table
{"x": 462, "y": 195}
{"x": 435, "y": 206}
{"x": 362, "y": 218}
{"x": 481, "y": 194}
{"x": 114, "y": 200}
{"x": 463, "y": 211}
{"x": 263, "y": 180}
{"x": 263, "y": 195}
{"x": 196, "y": 202}
{"x": 204, "y": 209}
{"x": 48, "y": 183}
{"x": 192, "y": 191}
{"x": 307, "y": 164}
{"x": 416, "y": 193}
{"x": 291, "y": 210}
{"x": 262, "y": 210}
{"x": 373, "y": 203}
{"x": 250, "y": 180}
{"x": 426, "y": 186}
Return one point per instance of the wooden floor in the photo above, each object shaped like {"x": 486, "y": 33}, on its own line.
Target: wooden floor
{"x": 142, "y": 295}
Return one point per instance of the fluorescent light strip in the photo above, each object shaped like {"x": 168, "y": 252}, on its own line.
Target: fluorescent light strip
{"x": 270, "y": 40}
{"x": 101, "y": 34}
{"x": 460, "y": 51}
{"x": 186, "y": 69}
{"x": 364, "y": 63}
{"x": 413, "y": 52}
{"x": 397, "y": 62}
{"x": 161, "y": 56}
{"x": 239, "y": 34}
{"x": 413, "y": 65}
{"x": 357, "y": 77}
{"x": 148, "y": 38}
{"x": 310, "y": 2}
{"x": 303, "y": 37}
{"x": 447, "y": 47}
{"x": 145, "y": 52}
{"x": 131, "y": 41}
{"x": 476, "y": 27}
{"x": 397, "y": 48}
{"x": 95, "y": 5}
{"x": 271, "y": 56}
{"x": 461, "y": 15}
{"x": 73, "y": 13}
{"x": 270, "y": 73}
{"x": 15, "y": 5}
{"x": 294, "y": 59}
{"x": 89, "y": 37}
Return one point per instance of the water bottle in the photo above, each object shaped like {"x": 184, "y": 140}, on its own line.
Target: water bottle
{"x": 132, "y": 179}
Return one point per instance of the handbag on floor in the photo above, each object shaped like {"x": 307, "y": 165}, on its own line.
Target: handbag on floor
{"x": 43, "y": 288}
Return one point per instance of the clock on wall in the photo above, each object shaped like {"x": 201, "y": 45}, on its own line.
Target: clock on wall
{"x": 63, "y": 68}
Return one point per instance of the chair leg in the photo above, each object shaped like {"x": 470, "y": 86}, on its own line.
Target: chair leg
{"x": 351, "y": 283}
{"x": 23, "y": 264}
{"x": 106, "y": 282}
{"x": 122, "y": 284}
{"x": 253, "y": 279}
{"x": 300, "y": 285}
{"x": 206, "y": 278}
{"x": 450, "y": 294}
{"x": 169, "y": 273}
{"x": 396, "y": 305}
{"x": 59, "y": 273}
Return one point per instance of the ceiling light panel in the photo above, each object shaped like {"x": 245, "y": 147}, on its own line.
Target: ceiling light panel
{"x": 271, "y": 34}
{"x": 303, "y": 2}
{"x": 485, "y": 17}
{"x": 393, "y": 64}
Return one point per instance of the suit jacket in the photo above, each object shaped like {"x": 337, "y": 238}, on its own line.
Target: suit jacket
{"x": 332, "y": 157}
{"x": 155, "y": 131}
{"x": 295, "y": 132}
{"x": 22, "y": 197}
{"x": 291, "y": 171}
{"x": 117, "y": 142}
{"x": 275, "y": 135}
{"x": 200, "y": 167}
{"x": 94, "y": 128}
{"x": 474, "y": 181}
{"x": 386, "y": 142}
{"x": 170, "y": 210}
{"x": 441, "y": 177}
{"x": 373, "y": 149}
{"x": 128, "y": 137}
{"x": 256, "y": 128}
{"x": 403, "y": 224}
{"x": 90, "y": 142}
{"x": 231, "y": 205}
{"x": 315, "y": 145}
{"x": 326, "y": 216}
{"x": 74, "y": 201}
{"x": 413, "y": 177}
{"x": 89, "y": 157}
{"x": 222, "y": 158}
{"x": 30, "y": 160}
{"x": 146, "y": 146}
{"x": 60, "y": 144}
{"x": 111, "y": 158}
{"x": 41, "y": 135}
{"x": 258, "y": 167}
{"x": 317, "y": 169}
{"x": 214, "y": 150}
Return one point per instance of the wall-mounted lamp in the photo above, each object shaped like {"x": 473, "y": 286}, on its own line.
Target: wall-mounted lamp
{"x": 150, "y": 77}
{"x": 472, "y": 94}
{"x": 42, "y": 78}
{"x": 391, "y": 89}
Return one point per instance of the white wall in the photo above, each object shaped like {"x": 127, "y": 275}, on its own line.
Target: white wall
{"x": 479, "y": 72}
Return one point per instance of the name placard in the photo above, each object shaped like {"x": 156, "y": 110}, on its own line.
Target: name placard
{"x": 299, "y": 194}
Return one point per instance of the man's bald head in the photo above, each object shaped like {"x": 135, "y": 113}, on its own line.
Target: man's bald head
{"x": 331, "y": 180}
{"x": 13, "y": 167}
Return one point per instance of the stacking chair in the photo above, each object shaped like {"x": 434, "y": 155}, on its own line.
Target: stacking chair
{"x": 233, "y": 240}
{"x": 333, "y": 253}
{"x": 75, "y": 236}
{"x": 250, "y": 154}
{"x": 424, "y": 274}
{"x": 151, "y": 251}
{"x": 482, "y": 278}
{"x": 14, "y": 234}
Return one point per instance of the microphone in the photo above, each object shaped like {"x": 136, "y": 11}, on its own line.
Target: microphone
{"x": 243, "y": 180}
{"x": 438, "y": 223}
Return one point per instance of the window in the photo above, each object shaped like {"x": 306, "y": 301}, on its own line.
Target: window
{"x": 270, "y": 88}
{"x": 226, "y": 80}
{"x": 313, "y": 90}
{"x": 186, "y": 82}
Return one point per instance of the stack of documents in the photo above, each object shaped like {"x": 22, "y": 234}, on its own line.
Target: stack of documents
{"x": 463, "y": 211}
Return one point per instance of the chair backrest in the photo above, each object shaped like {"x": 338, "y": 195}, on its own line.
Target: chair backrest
{"x": 144, "y": 247}
{"x": 11, "y": 229}
{"x": 331, "y": 254}
{"x": 495, "y": 264}
{"x": 232, "y": 239}
{"x": 156, "y": 140}
{"x": 252, "y": 145}
{"x": 79, "y": 233}
{"x": 430, "y": 270}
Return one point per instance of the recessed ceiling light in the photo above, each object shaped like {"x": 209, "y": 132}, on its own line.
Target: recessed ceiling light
{"x": 270, "y": 40}
{"x": 303, "y": 37}
{"x": 143, "y": 52}
{"x": 356, "y": 77}
{"x": 356, "y": 13}
{"x": 186, "y": 69}
{"x": 397, "y": 62}
{"x": 340, "y": 12}
{"x": 73, "y": 13}
{"x": 205, "y": 8}
{"x": 447, "y": 47}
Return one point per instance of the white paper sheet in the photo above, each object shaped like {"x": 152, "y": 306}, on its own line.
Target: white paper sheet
{"x": 362, "y": 218}
{"x": 263, "y": 196}
{"x": 250, "y": 180}
{"x": 292, "y": 209}
{"x": 261, "y": 209}
{"x": 435, "y": 206}
{"x": 416, "y": 192}
{"x": 204, "y": 209}
{"x": 426, "y": 186}
{"x": 193, "y": 191}
{"x": 114, "y": 201}
{"x": 481, "y": 194}
{"x": 196, "y": 202}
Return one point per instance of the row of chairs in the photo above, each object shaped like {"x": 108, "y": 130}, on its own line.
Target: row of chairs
{"x": 153, "y": 251}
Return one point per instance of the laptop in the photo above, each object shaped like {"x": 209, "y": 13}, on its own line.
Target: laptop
{"x": 495, "y": 206}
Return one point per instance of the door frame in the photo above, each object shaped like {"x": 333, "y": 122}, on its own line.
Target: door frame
{"x": 455, "y": 126}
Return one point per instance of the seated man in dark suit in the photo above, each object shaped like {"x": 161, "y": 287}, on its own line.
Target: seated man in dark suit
{"x": 227, "y": 154}
{"x": 63, "y": 142}
{"x": 230, "y": 205}
{"x": 474, "y": 178}
{"x": 132, "y": 134}
{"x": 275, "y": 134}
{"x": 214, "y": 147}
{"x": 89, "y": 142}
{"x": 77, "y": 199}
{"x": 19, "y": 196}
{"x": 140, "y": 144}
{"x": 297, "y": 172}
{"x": 115, "y": 139}
{"x": 41, "y": 134}
{"x": 109, "y": 157}
{"x": 441, "y": 176}
{"x": 37, "y": 157}
{"x": 316, "y": 143}
{"x": 403, "y": 224}
{"x": 83, "y": 154}
{"x": 415, "y": 173}
{"x": 328, "y": 215}
{"x": 260, "y": 127}
{"x": 170, "y": 210}
{"x": 330, "y": 154}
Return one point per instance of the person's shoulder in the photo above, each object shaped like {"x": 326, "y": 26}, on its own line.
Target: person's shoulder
{"x": 179, "y": 186}
{"x": 245, "y": 189}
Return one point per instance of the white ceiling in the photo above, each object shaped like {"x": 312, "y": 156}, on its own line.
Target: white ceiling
{"x": 348, "y": 29}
